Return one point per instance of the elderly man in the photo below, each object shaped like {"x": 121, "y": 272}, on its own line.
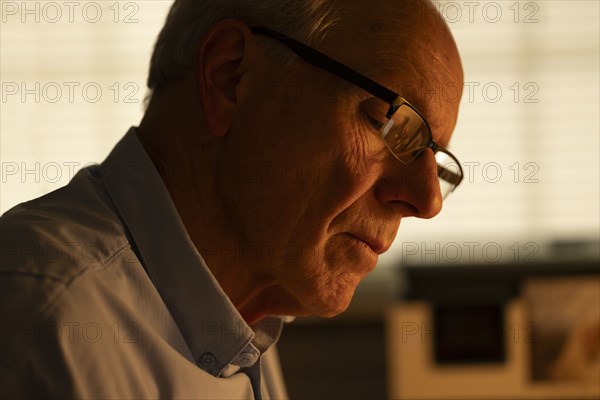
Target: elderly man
{"x": 282, "y": 145}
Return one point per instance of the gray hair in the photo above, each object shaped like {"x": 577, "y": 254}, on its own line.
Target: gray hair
{"x": 188, "y": 20}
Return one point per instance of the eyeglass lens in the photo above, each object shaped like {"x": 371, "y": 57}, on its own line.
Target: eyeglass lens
{"x": 407, "y": 136}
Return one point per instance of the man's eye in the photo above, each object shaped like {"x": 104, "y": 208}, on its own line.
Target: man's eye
{"x": 374, "y": 122}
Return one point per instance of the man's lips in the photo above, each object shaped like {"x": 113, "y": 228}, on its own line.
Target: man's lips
{"x": 375, "y": 245}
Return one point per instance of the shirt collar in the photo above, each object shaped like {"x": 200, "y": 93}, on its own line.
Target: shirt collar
{"x": 214, "y": 330}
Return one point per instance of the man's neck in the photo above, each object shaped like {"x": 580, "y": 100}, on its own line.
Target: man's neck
{"x": 185, "y": 160}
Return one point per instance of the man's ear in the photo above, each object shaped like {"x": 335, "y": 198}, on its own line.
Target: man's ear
{"x": 221, "y": 62}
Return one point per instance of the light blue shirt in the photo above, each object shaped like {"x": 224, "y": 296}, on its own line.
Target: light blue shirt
{"x": 104, "y": 295}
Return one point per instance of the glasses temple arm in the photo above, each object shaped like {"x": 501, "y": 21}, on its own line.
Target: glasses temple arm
{"x": 327, "y": 63}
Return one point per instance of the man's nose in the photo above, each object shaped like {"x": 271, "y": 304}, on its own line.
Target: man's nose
{"x": 415, "y": 184}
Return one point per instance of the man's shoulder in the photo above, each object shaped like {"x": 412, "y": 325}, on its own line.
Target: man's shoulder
{"x": 47, "y": 245}
{"x": 60, "y": 235}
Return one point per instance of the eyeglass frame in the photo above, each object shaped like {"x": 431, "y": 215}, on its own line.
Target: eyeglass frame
{"x": 395, "y": 101}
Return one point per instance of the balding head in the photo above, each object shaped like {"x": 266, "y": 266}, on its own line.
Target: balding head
{"x": 309, "y": 21}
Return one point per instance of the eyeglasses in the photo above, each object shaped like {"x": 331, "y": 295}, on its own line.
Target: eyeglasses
{"x": 403, "y": 129}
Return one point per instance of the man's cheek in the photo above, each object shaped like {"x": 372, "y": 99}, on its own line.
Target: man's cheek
{"x": 294, "y": 254}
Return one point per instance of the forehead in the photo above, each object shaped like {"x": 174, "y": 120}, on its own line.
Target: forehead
{"x": 408, "y": 50}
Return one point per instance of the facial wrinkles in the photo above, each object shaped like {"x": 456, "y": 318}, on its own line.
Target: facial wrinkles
{"x": 352, "y": 171}
{"x": 372, "y": 220}
{"x": 365, "y": 215}
{"x": 358, "y": 154}
{"x": 361, "y": 160}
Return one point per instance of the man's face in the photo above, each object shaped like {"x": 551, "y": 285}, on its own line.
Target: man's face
{"x": 311, "y": 190}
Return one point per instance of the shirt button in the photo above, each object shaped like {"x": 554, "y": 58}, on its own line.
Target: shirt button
{"x": 207, "y": 360}
{"x": 246, "y": 358}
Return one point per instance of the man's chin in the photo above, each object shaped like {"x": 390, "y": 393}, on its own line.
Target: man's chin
{"x": 323, "y": 297}
{"x": 333, "y": 304}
